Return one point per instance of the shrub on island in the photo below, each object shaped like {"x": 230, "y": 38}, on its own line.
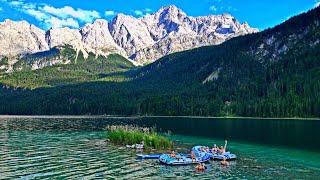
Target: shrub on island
{"x": 130, "y": 135}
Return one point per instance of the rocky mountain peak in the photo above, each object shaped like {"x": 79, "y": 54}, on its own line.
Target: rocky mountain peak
{"x": 122, "y": 19}
{"x": 171, "y": 13}
{"x": 100, "y": 22}
{"x": 143, "y": 40}
{"x": 97, "y": 39}
{"x": 17, "y": 38}
{"x": 228, "y": 16}
{"x": 169, "y": 19}
{"x": 172, "y": 30}
{"x": 64, "y": 36}
{"x": 130, "y": 33}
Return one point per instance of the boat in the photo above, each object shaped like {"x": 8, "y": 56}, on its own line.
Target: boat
{"x": 201, "y": 149}
{"x": 227, "y": 155}
{"x": 148, "y": 156}
{"x": 183, "y": 160}
{"x": 215, "y": 156}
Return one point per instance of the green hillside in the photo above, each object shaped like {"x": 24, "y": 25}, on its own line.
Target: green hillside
{"x": 79, "y": 70}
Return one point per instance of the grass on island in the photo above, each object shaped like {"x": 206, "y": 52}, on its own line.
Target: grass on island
{"x": 128, "y": 135}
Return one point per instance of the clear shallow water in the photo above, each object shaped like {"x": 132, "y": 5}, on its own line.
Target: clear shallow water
{"x": 76, "y": 148}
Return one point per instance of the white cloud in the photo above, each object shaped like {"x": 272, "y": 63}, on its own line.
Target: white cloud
{"x": 67, "y": 11}
{"x": 213, "y": 8}
{"x": 109, "y": 13}
{"x": 50, "y": 16}
{"x": 222, "y": 8}
{"x": 317, "y": 4}
{"x": 147, "y": 10}
{"x": 138, "y": 13}
{"x": 142, "y": 12}
{"x": 16, "y": 3}
{"x": 57, "y": 23}
{"x": 37, "y": 14}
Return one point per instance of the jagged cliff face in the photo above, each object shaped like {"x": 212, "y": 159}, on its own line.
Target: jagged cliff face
{"x": 130, "y": 33}
{"x": 97, "y": 39}
{"x": 18, "y": 38}
{"x": 64, "y": 36}
{"x": 173, "y": 31}
{"x": 143, "y": 40}
{"x": 94, "y": 38}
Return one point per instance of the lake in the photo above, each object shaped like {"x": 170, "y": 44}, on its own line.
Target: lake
{"x": 45, "y": 148}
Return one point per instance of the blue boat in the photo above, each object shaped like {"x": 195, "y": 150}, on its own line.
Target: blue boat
{"x": 182, "y": 160}
{"x": 200, "y": 149}
{"x": 148, "y": 156}
{"x": 202, "y": 154}
{"x": 216, "y": 156}
{"x": 226, "y": 155}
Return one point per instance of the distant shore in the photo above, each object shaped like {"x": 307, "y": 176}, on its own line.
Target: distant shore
{"x": 137, "y": 117}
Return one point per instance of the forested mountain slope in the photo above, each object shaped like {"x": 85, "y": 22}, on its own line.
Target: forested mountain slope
{"x": 61, "y": 66}
{"x": 275, "y": 73}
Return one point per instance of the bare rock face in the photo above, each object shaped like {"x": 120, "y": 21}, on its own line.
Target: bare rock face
{"x": 92, "y": 38}
{"x": 18, "y": 38}
{"x": 97, "y": 39}
{"x": 130, "y": 33}
{"x": 65, "y": 36}
{"x": 173, "y": 44}
{"x": 168, "y": 20}
{"x": 170, "y": 30}
{"x": 174, "y": 31}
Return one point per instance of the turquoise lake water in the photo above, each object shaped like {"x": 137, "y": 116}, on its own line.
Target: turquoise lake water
{"x": 77, "y": 148}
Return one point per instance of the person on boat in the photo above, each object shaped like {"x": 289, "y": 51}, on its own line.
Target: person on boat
{"x": 224, "y": 162}
{"x": 193, "y": 156}
{"x": 206, "y": 149}
{"x": 201, "y": 149}
{"x": 223, "y": 148}
{"x": 214, "y": 149}
{"x": 173, "y": 154}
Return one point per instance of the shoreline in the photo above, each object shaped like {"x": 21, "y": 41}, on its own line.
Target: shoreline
{"x": 138, "y": 117}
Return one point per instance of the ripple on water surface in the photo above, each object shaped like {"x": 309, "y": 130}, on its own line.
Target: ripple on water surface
{"x": 82, "y": 152}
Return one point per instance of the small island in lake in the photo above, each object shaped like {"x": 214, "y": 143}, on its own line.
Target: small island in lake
{"x": 138, "y": 137}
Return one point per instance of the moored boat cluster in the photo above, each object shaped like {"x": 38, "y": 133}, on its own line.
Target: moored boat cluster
{"x": 198, "y": 155}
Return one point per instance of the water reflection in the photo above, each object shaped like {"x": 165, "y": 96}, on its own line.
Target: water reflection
{"x": 291, "y": 133}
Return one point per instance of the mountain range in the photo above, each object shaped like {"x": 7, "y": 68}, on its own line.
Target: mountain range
{"x": 273, "y": 73}
{"x": 141, "y": 40}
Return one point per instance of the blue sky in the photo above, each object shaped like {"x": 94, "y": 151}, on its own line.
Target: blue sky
{"x": 75, "y": 13}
